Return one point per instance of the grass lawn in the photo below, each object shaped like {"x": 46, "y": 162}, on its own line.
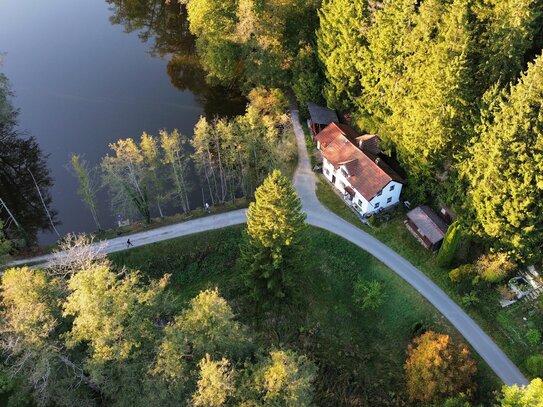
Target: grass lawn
{"x": 360, "y": 354}
{"x": 506, "y": 326}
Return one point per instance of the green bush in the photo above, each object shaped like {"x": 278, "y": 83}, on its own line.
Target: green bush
{"x": 463, "y": 273}
{"x": 533, "y": 336}
{"x": 470, "y": 299}
{"x": 534, "y": 365}
{"x": 368, "y": 294}
{"x": 494, "y": 267}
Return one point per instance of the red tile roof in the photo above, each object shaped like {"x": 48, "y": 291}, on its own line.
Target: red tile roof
{"x": 330, "y": 132}
{"x": 365, "y": 175}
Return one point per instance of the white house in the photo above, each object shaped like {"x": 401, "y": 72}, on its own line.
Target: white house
{"x": 367, "y": 183}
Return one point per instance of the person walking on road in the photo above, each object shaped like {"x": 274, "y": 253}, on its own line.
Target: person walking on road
{"x": 129, "y": 244}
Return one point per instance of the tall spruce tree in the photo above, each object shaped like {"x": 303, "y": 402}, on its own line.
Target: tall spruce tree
{"x": 505, "y": 171}
{"x": 430, "y": 114}
{"x": 507, "y": 32}
{"x": 383, "y": 61}
{"x": 272, "y": 251}
{"x": 341, "y": 41}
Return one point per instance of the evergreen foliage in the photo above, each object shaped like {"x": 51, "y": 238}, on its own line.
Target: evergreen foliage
{"x": 449, "y": 245}
{"x": 341, "y": 41}
{"x": 273, "y": 251}
{"x": 504, "y": 171}
{"x": 22, "y": 162}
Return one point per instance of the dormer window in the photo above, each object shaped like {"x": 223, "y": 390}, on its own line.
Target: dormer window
{"x": 379, "y": 193}
{"x": 344, "y": 172}
{"x": 392, "y": 188}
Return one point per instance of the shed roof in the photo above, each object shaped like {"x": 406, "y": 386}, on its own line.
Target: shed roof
{"x": 428, "y": 223}
{"x": 321, "y": 114}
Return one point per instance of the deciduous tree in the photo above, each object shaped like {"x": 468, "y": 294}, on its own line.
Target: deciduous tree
{"x": 88, "y": 184}
{"x": 177, "y": 159}
{"x": 523, "y": 396}
{"x": 5, "y": 245}
{"x": 285, "y": 378}
{"x": 215, "y": 383}
{"x": 436, "y": 368}
{"x": 124, "y": 175}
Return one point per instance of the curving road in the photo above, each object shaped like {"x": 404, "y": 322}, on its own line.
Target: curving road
{"x": 318, "y": 215}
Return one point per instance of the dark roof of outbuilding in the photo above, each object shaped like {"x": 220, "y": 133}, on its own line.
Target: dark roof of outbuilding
{"x": 321, "y": 114}
{"x": 428, "y": 223}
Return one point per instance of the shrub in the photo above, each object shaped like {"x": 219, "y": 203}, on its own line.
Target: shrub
{"x": 494, "y": 267}
{"x": 368, "y": 294}
{"x": 534, "y": 365}
{"x": 470, "y": 299}
{"x": 463, "y": 273}
{"x": 533, "y": 336}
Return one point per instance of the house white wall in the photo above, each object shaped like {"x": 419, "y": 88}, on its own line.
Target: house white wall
{"x": 390, "y": 195}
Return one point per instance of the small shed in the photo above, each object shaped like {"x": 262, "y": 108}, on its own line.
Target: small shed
{"x": 426, "y": 226}
{"x": 320, "y": 117}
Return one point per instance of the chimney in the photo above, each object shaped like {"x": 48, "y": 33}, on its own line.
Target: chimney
{"x": 369, "y": 143}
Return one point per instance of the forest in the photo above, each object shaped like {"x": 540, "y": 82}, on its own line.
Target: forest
{"x": 452, "y": 87}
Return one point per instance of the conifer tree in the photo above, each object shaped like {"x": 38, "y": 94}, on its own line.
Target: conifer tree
{"x": 508, "y": 28}
{"x": 275, "y": 224}
{"x": 341, "y": 40}
{"x": 382, "y": 63}
{"x": 430, "y": 114}
{"x": 449, "y": 245}
{"x": 505, "y": 170}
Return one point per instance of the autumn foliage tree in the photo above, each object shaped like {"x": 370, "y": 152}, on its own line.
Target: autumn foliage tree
{"x": 437, "y": 368}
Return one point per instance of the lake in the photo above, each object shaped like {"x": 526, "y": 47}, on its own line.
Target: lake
{"x": 88, "y": 73}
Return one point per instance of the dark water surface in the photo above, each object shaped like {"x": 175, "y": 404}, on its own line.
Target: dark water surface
{"x": 86, "y": 73}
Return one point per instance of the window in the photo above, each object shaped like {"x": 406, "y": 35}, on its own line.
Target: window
{"x": 380, "y": 193}
{"x": 327, "y": 171}
{"x": 376, "y": 205}
{"x": 389, "y": 200}
{"x": 360, "y": 202}
{"x": 392, "y": 188}
{"x": 344, "y": 173}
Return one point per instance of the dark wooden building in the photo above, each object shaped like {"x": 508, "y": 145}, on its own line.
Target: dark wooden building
{"x": 427, "y": 227}
{"x": 320, "y": 117}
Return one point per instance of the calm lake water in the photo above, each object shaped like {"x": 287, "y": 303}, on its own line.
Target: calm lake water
{"x": 86, "y": 73}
